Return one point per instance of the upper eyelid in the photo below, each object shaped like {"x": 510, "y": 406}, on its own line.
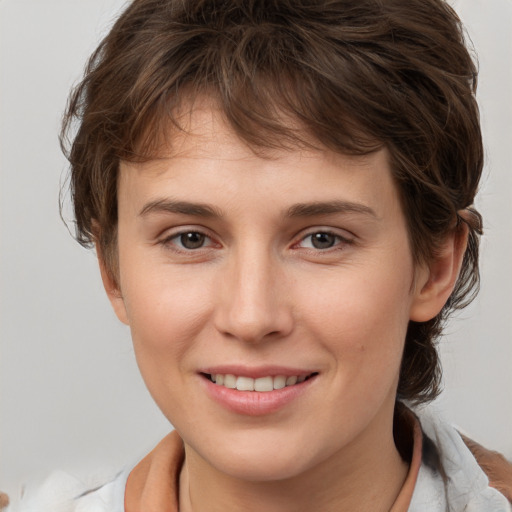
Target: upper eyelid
{"x": 166, "y": 239}
{"x": 180, "y": 230}
{"x": 340, "y": 244}
{"x": 339, "y": 232}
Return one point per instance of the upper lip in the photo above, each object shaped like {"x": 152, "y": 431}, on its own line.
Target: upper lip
{"x": 257, "y": 371}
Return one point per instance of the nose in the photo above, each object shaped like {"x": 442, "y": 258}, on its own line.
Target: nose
{"x": 253, "y": 303}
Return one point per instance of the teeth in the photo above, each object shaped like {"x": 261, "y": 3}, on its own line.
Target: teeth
{"x": 279, "y": 382}
{"x": 244, "y": 384}
{"x": 230, "y": 381}
{"x": 261, "y": 384}
{"x": 264, "y": 384}
{"x": 290, "y": 381}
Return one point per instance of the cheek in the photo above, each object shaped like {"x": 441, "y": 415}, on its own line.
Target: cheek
{"x": 362, "y": 321}
{"x": 166, "y": 311}
{"x": 165, "y": 322}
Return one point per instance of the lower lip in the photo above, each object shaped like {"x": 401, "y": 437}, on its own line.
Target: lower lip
{"x": 256, "y": 403}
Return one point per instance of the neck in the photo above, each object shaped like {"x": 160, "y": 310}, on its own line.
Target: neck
{"x": 365, "y": 475}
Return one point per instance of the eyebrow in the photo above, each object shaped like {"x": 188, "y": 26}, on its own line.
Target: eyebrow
{"x": 182, "y": 207}
{"x": 317, "y": 208}
{"x": 328, "y": 208}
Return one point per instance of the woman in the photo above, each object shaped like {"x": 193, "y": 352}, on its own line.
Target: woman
{"x": 280, "y": 195}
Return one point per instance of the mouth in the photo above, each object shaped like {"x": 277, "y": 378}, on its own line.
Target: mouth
{"x": 257, "y": 391}
{"x": 261, "y": 384}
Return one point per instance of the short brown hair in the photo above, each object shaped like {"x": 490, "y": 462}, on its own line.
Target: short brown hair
{"x": 354, "y": 75}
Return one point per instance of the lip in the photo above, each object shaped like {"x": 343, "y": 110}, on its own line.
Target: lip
{"x": 254, "y": 403}
{"x": 255, "y": 372}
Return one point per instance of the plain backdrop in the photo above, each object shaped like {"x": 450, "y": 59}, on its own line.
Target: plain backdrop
{"x": 71, "y": 396}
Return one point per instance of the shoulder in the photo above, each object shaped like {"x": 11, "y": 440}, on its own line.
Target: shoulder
{"x": 64, "y": 492}
{"x": 450, "y": 477}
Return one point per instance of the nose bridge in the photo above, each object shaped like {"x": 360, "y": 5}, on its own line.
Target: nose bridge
{"x": 252, "y": 306}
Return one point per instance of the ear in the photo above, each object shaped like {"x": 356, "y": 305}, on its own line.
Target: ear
{"x": 111, "y": 285}
{"x": 435, "y": 281}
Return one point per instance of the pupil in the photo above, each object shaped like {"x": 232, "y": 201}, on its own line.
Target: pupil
{"x": 192, "y": 240}
{"x": 323, "y": 240}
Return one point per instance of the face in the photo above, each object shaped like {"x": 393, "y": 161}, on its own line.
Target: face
{"x": 286, "y": 279}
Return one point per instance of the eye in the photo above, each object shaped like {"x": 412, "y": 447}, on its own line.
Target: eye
{"x": 322, "y": 240}
{"x": 188, "y": 240}
{"x": 192, "y": 240}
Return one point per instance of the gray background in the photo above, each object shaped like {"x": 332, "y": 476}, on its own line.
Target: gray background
{"x": 71, "y": 397}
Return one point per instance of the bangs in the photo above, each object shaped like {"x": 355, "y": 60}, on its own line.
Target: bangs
{"x": 267, "y": 113}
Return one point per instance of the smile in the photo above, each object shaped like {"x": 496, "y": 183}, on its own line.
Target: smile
{"x": 267, "y": 391}
{"x": 261, "y": 384}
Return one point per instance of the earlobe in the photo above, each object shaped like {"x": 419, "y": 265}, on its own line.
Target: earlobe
{"x": 436, "y": 281}
{"x": 112, "y": 288}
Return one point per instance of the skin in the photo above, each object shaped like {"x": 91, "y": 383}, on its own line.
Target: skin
{"x": 259, "y": 292}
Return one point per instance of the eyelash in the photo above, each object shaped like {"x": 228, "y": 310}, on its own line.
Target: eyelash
{"x": 339, "y": 241}
{"x": 174, "y": 239}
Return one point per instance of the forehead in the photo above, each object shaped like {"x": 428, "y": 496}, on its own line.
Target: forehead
{"x": 206, "y": 163}
{"x": 204, "y": 158}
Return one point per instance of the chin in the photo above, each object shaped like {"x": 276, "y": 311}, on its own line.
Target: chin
{"x": 260, "y": 459}
{"x": 267, "y": 468}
